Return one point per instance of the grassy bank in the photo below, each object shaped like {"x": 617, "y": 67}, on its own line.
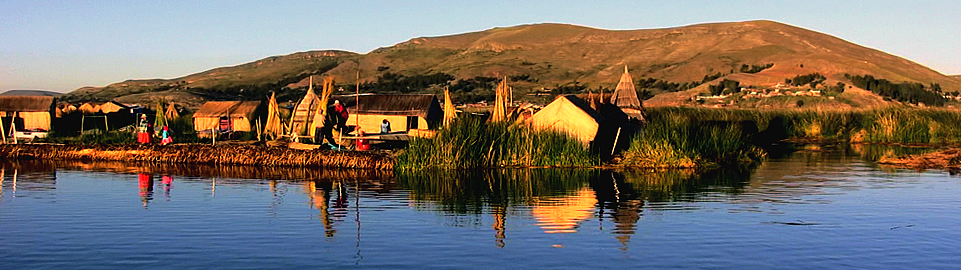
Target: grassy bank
{"x": 471, "y": 143}
{"x": 694, "y": 137}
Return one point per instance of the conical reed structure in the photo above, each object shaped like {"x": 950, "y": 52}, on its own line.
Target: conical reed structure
{"x": 274, "y": 126}
{"x": 500, "y": 102}
{"x": 449, "y": 111}
{"x": 302, "y": 115}
{"x": 160, "y": 119}
{"x": 171, "y": 112}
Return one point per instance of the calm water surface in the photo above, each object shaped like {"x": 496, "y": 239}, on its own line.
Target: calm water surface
{"x": 826, "y": 208}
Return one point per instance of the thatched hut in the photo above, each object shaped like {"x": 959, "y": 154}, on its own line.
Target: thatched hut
{"x": 597, "y": 126}
{"x": 30, "y": 114}
{"x": 404, "y": 111}
{"x": 228, "y": 116}
{"x": 571, "y": 115}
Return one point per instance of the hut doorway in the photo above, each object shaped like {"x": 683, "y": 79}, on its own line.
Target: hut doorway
{"x": 225, "y": 124}
{"x": 411, "y": 122}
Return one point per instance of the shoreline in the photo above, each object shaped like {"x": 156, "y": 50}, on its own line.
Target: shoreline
{"x": 224, "y": 154}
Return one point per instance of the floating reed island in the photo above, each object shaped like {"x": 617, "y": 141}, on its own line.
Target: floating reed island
{"x": 948, "y": 159}
{"x": 225, "y": 154}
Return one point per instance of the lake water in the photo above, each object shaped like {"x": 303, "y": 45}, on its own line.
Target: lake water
{"x": 821, "y": 208}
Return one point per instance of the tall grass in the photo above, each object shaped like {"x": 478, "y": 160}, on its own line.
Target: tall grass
{"x": 692, "y": 137}
{"x": 680, "y": 138}
{"x": 471, "y": 142}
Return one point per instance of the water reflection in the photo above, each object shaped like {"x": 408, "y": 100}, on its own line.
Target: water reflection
{"x": 319, "y": 194}
{"x": 559, "y": 201}
{"x": 146, "y": 188}
{"x": 26, "y": 176}
{"x": 167, "y": 182}
{"x": 562, "y": 200}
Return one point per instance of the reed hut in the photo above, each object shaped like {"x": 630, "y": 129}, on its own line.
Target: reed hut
{"x": 571, "y": 115}
{"x": 32, "y": 115}
{"x": 405, "y": 112}
{"x": 227, "y": 116}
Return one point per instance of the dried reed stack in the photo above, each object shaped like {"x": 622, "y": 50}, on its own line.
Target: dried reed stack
{"x": 274, "y": 126}
{"x": 500, "y": 102}
{"x": 449, "y": 111}
{"x": 223, "y": 154}
{"x": 321, "y": 111}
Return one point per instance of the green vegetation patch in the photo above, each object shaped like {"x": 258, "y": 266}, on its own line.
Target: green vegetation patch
{"x": 471, "y": 142}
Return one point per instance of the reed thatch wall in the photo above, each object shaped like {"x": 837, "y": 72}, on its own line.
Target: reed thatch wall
{"x": 203, "y": 154}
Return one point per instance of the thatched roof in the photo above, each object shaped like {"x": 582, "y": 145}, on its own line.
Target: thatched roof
{"x": 113, "y": 106}
{"x": 571, "y": 115}
{"x": 228, "y": 109}
{"x": 391, "y": 104}
{"x": 27, "y": 103}
{"x": 625, "y": 95}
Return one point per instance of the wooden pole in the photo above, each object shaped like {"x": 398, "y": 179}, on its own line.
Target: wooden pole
{"x": 357, "y": 103}
{"x": 259, "y": 130}
{"x": 616, "y": 137}
{"x": 13, "y": 130}
{"x": 82, "y": 119}
{"x": 4, "y": 135}
{"x": 213, "y": 137}
{"x": 106, "y": 127}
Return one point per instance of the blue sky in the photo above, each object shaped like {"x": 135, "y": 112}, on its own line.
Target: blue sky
{"x": 64, "y": 45}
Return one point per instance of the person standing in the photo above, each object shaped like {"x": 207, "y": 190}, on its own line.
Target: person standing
{"x": 166, "y": 139}
{"x": 385, "y": 127}
{"x": 143, "y": 134}
{"x": 336, "y": 118}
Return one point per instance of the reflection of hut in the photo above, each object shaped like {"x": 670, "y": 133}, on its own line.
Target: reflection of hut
{"x": 561, "y": 215}
{"x": 32, "y": 115}
{"x": 404, "y": 112}
{"x": 227, "y": 116}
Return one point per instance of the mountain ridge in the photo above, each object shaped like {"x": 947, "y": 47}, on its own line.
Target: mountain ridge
{"x": 553, "y": 55}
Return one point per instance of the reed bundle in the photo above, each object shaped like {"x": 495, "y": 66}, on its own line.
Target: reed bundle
{"x": 203, "y": 154}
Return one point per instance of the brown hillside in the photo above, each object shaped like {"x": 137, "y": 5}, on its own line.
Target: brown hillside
{"x": 554, "y": 54}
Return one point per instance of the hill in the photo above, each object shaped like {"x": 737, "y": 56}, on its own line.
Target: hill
{"x": 558, "y": 57}
{"x": 31, "y": 93}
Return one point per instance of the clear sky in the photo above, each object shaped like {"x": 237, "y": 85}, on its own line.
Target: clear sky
{"x": 64, "y": 45}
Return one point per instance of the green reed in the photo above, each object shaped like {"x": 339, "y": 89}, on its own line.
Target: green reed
{"x": 472, "y": 142}
{"x": 689, "y": 138}
{"x": 693, "y": 137}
